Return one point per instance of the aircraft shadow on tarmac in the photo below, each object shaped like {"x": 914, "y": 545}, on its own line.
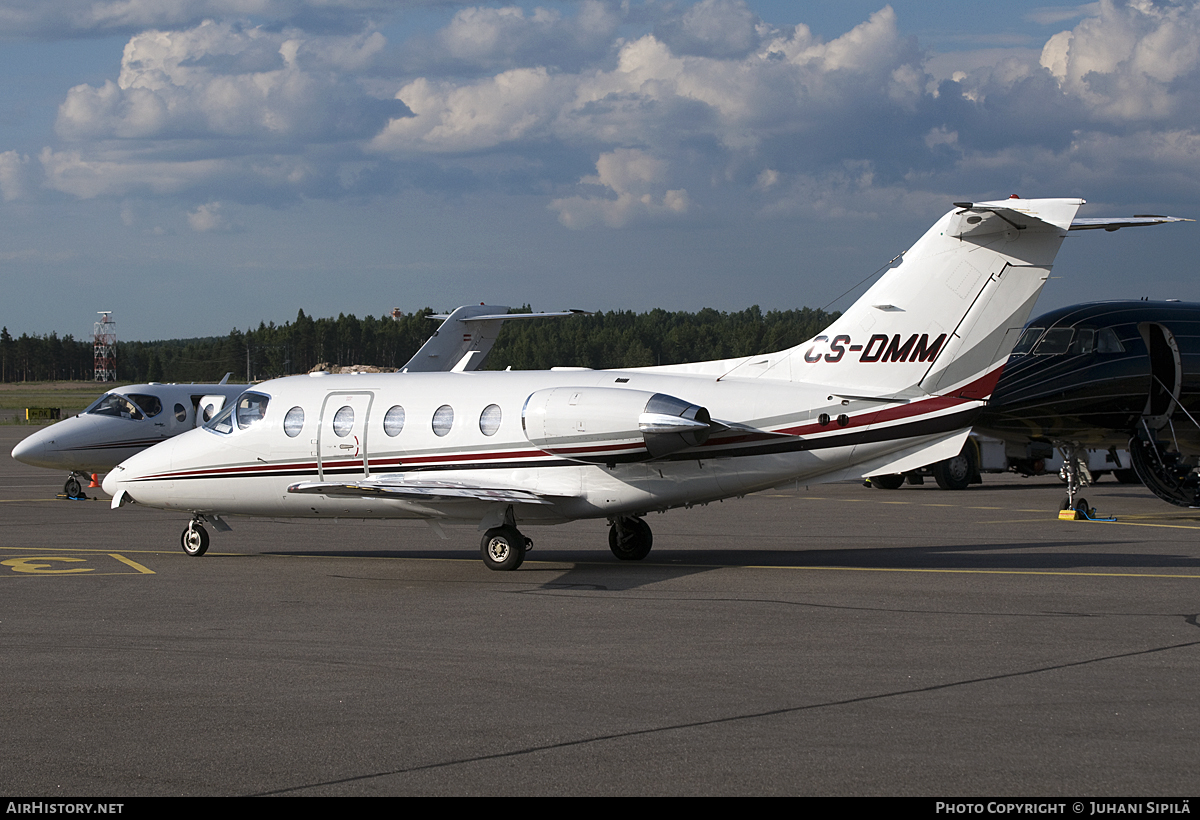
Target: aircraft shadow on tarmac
{"x": 1033, "y": 556}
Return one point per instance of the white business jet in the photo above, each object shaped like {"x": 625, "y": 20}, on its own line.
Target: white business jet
{"x": 129, "y": 419}
{"x": 120, "y": 423}
{"x": 892, "y": 385}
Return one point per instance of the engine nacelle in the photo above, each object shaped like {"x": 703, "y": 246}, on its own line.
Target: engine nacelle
{"x": 606, "y": 425}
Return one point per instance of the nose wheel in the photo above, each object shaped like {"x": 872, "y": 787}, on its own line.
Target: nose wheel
{"x": 194, "y": 539}
{"x": 73, "y": 488}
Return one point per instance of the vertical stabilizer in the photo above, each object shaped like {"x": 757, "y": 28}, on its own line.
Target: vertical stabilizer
{"x": 946, "y": 317}
{"x": 463, "y": 340}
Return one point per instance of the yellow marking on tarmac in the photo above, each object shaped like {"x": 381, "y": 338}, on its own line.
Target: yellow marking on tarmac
{"x": 1147, "y": 524}
{"x": 132, "y": 563}
{"x": 26, "y": 565}
{"x": 41, "y": 564}
{"x": 978, "y": 571}
{"x": 165, "y": 550}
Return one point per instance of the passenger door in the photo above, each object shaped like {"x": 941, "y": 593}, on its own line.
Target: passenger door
{"x": 341, "y": 445}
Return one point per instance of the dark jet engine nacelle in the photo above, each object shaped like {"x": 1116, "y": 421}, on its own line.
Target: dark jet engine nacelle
{"x": 606, "y": 425}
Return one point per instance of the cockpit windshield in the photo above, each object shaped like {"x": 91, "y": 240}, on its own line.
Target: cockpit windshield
{"x": 1073, "y": 341}
{"x": 1028, "y": 340}
{"x": 1057, "y": 340}
{"x": 222, "y": 422}
{"x": 114, "y": 404}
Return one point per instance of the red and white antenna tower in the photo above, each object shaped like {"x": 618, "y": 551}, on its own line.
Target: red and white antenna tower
{"x": 104, "y": 347}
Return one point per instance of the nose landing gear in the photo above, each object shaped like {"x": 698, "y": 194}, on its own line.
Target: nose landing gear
{"x": 194, "y": 539}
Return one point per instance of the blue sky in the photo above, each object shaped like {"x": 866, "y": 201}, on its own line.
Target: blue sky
{"x": 200, "y": 165}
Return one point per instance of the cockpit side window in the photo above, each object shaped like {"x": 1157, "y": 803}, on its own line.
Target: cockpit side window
{"x": 151, "y": 405}
{"x": 1028, "y": 340}
{"x": 114, "y": 404}
{"x": 1085, "y": 341}
{"x": 1107, "y": 341}
{"x": 1056, "y": 342}
{"x": 251, "y": 409}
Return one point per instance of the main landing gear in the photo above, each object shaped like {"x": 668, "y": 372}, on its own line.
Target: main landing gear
{"x": 630, "y": 539}
{"x": 503, "y": 548}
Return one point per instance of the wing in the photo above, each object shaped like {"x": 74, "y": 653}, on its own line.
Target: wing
{"x": 393, "y": 486}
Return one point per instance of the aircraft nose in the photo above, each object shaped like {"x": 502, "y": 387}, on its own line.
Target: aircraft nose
{"x": 32, "y": 450}
{"x": 111, "y": 481}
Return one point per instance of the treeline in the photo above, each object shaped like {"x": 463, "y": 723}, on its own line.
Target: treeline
{"x": 600, "y": 340}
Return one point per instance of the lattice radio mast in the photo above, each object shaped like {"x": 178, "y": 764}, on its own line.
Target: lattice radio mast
{"x": 104, "y": 347}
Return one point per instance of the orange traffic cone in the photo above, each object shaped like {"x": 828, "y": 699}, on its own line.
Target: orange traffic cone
{"x": 95, "y": 483}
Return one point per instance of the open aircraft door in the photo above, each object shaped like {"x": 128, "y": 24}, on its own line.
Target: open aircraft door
{"x": 341, "y": 445}
{"x": 207, "y": 408}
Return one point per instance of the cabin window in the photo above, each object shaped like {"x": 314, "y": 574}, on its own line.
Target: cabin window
{"x": 1028, "y": 340}
{"x": 180, "y": 414}
{"x": 343, "y": 421}
{"x": 393, "y": 421}
{"x": 251, "y": 409}
{"x": 443, "y": 420}
{"x": 1056, "y": 342}
{"x": 114, "y": 404}
{"x": 150, "y": 405}
{"x": 293, "y": 422}
{"x": 1107, "y": 342}
{"x": 489, "y": 420}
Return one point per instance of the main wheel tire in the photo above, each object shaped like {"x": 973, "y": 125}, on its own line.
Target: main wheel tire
{"x": 955, "y": 473}
{"x": 887, "y": 482}
{"x": 194, "y": 540}
{"x": 72, "y": 488}
{"x": 632, "y": 541}
{"x": 502, "y": 548}
{"x": 1126, "y": 476}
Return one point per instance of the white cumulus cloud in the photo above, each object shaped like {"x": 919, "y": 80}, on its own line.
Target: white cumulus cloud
{"x": 632, "y": 188}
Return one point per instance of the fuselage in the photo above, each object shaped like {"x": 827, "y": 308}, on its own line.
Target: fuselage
{"x": 1089, "y": 373}
{"x": 587, "y": 457}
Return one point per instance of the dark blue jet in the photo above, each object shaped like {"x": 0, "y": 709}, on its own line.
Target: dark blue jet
{"x": 1109, "y": 375}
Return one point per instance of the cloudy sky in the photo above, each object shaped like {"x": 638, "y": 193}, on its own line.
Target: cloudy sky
{"x": 200, "y": 165}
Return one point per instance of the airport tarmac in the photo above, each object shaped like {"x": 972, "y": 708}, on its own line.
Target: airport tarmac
{"x": 830, "y": 640}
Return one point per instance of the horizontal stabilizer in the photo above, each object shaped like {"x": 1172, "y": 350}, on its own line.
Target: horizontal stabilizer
{"x": 1113, "y": 223}
{"x": 491, "y": 317}
{"x": 416, "y": 491}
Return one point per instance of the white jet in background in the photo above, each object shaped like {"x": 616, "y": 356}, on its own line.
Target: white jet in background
{"x": 124, "y": 421}
{"x": 892, "y": 385}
